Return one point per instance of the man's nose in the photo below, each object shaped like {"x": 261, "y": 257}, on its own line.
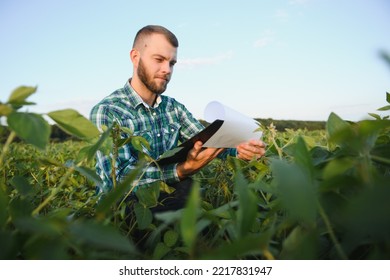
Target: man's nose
{"x": 167, "y": 67}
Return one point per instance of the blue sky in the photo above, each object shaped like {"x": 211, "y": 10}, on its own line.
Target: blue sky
{"x": 281, "y": 59}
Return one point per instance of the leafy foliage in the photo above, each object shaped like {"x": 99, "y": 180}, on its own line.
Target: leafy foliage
{"x": 315, "y": 195}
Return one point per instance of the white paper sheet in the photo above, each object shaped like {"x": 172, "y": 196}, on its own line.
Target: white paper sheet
{"x": 236, "y": 128}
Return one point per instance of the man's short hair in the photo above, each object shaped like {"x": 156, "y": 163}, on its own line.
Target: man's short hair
{"x": 156, "y": 29}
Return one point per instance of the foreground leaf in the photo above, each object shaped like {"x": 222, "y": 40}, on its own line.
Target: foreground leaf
{"x": 74, "y": 123}
{"x": 148, "y": 195}
{"x": 246, "y": 214}
{"x": 296, "y": 191}
{"x": 143, "y": 214}
{"x": 20, "y": 94}
{"x": 30, "y": 127}
{"x": 115, "y": 195}
{"x": 189, "y": 217}
{"x": 5, "y": 110}
{"x": 335, "y": 124}
{"x": 101, "y": 236}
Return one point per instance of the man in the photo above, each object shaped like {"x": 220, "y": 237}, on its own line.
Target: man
{"x": 161, "y": 120}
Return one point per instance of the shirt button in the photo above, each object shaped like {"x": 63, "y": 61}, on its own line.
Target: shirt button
{"x": 172, "y": 130}
{"x": 154, "y": 113}
{"x": 158, "y": 135}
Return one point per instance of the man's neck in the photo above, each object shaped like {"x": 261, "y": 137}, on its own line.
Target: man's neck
{"x": 147, "y": 96}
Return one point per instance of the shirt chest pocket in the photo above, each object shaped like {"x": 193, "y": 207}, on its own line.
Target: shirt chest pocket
{"x": 170, "y": 134}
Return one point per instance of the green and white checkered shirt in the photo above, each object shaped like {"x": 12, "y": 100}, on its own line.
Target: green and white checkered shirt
{"x": 164, "y": 126}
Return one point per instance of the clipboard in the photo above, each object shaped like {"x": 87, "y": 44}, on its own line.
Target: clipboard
{"x": 179, "y": 154}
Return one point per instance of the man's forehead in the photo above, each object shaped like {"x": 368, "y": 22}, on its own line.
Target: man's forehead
{"x": 157, "y": 44}
{"x": 153, "y": 40}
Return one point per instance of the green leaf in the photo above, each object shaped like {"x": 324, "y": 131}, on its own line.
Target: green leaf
{"x": 375, "y": 116}
{"x": 144, "y": 215}
{"x": 385, "y": 108}
{"x": 170, "y": 238}
{"x": 300, "y": 244}
{"x": 189, "y": 217}
{"x": 246, "y": 214}
{"x": 302, "y": 157}
{"x": 338, "y": 167}
{"x": 335, "y": 124}
{"x": 112, "y": 197}
{"x": 9, "y": 245}
{"x": 372, "y": 128}
{"x": 20, "y": 94}
{"x": 101, "y": 236}
{"x": 225, "y": 211}
{"x": 74, "y": 123}
{"x": 148, "y": 195}
{"x": 160, "y": 251}
{"x": 360, "y": 137}
{"x": 170, "y": 153}
{"x": 22, "y": 185}
{"x": 139, "y": 143}
{"x": 49, "y": 162}
{"x": 41, "y": 226}
{"x": 166, "y": 188}
{"x": 19, "y": 208}
{"x": 122, "y": 142}
{"x": 30, "y": 127}
{"x": 168, "y": 217}
{"x": 296, "y": 191}
{"x": 103, "y": 144}
{"x": 43, "y": 248}
{"x": 89, "y": 174}
{"x": 366, "y": 217}
{"x": 5, "y": 110}
{"x": 388, "y": 97}
{"x": 247, "y": 245}
{"x": 4, "y": 209}
{"x": 126, "y": 130}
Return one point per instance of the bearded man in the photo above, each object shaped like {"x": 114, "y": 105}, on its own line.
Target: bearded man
{"x": 160, "y": 119}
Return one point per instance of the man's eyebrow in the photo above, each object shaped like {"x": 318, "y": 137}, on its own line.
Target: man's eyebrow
{"x": 163, "y": 57}
{"x": 159, "y": 55}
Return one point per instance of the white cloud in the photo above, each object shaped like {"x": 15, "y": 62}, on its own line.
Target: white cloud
{"x": 282, "y": 15}
{"x": 266, "y": 39}
{"x": 200, "y": 61}
{"x": 263, "y": 42}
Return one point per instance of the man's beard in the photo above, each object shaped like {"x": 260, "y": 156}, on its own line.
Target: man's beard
{"x": 148, "y": 81}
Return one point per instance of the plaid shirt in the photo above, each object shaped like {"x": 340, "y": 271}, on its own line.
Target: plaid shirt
{"x": 164, "y": 126}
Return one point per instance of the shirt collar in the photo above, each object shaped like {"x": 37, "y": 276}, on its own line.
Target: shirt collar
{"x": 135, "y": 98}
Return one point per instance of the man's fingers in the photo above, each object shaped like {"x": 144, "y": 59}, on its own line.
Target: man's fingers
{"x": 257, "y": 143}
{"x": 251, "y": 149}
{"x": 244, "y": 154}
{"x": 196, "y": 149}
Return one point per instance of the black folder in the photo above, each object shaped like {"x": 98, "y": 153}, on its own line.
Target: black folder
{"x": 179, "y": 154}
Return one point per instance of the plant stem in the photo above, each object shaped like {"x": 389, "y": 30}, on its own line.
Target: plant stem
{"x": 273, "y": 136}
{"x": 336, "y": 243}
{"x": 6, "y": 147}
{"x": 380, "y": 159}
{"x": 53, "y": 192}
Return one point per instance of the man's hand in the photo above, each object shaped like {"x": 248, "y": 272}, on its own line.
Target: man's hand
{"x": 197, "y": 158}
{"x": 253, "y": 149}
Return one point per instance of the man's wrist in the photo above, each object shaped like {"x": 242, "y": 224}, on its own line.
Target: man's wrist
{"x": 179, "y": 171}
{"x": 182, "y": 171}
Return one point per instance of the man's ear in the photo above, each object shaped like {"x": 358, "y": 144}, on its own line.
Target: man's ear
{"x": 134, "y": 56}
